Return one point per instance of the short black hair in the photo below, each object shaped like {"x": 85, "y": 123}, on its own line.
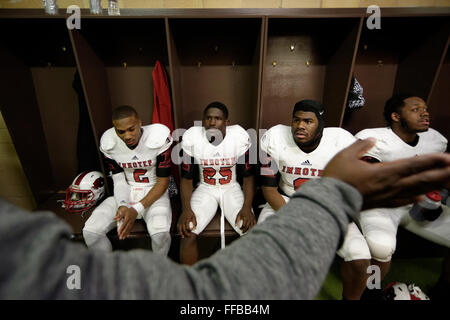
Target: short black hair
{"x": 124, "y": 111}
{"x": 217, "y": 105}
{"x": 395, "y": 104}
{"x": 309, "y": 106}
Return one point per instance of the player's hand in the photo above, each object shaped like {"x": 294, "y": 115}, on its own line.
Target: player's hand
{"x": 389, "y": 184}
{"x": 120, "y": 214}
{"x": 186, "y": 223}
{"x": 127, "y": 216}
{"x": 247, "y": 218}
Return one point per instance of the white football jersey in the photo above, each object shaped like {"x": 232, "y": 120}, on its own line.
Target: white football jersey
{"x": 217, "y": 164}
{"x": 139, "y": 164}
{"x": 390, "y": 146}
{"x": 296, "y": 166}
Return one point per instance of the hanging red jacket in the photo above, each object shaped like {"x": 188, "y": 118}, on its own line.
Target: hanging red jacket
{"x": 162, "y": 106}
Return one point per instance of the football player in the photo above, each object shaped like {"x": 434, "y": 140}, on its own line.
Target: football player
{"x": 294, "y": 154}
{"x": 408, "y": 134}
{"x": 284, "y": 258}
{"x": 220, "y": 152}
{"x": 138, "y": 158}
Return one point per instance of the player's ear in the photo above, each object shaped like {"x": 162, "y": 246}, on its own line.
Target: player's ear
{"x": 227, "y": 122}
{"x": 395, "y": 117}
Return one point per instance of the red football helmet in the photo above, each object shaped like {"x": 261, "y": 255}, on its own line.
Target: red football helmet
{"x": 401, "y": 291}
{"x": 84, "y": 192}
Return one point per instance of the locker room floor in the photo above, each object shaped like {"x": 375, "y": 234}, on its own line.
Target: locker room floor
{"x": 424, "y": 272}
{"x": 415, "y": 261}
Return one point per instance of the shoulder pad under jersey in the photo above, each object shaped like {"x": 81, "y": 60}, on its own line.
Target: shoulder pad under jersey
{"x": 157, "y": 136}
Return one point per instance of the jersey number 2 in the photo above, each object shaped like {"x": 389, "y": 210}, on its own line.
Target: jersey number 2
{"x": 138, "y": 173}
{"x": 208, "y": 174}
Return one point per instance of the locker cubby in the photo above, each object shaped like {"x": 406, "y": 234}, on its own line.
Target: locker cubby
{"x": 216, "y": 60}
{"x": 307, "y": 58}
{"x": 403, "y": 56}
{"x": 438, "y": 101}
{"x": 121, "y": 55}
{"x": 38, "y": 101}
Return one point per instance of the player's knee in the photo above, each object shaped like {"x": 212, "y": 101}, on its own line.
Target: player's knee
{"x": 355, "y": 249}
{"x": 382, "y": 246}
{"x": 90, "y": 237}
{"x": 96, "y": 240}
{"x": 90, "y": 232}
{"x": 158, "y": 223}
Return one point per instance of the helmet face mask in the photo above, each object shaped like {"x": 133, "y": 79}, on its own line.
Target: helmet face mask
{"x": 85, "y": 191}
{"x": 78, "y": 200}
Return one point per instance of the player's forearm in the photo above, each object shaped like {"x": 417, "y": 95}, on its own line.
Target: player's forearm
{"x": 248, "y": 188}
{"x": 121, "y": 189}
{"x": 156, "y": 192}
{"x": 273, "y": 197}
{"x": 186, "y": 194}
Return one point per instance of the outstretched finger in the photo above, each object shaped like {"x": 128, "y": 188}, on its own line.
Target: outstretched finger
{"x": 407, "y": 189}
{"x": 252, "y": 223}
{"x": 180, "y": 230}
{"x": 244, "y": 225}
{"x": 128, "y": 229}
{"x": 122, "y": 229}
{"x": 425, "y": 181}
{"x": 187, "y": 228}
{"x": 412, "y": 166}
